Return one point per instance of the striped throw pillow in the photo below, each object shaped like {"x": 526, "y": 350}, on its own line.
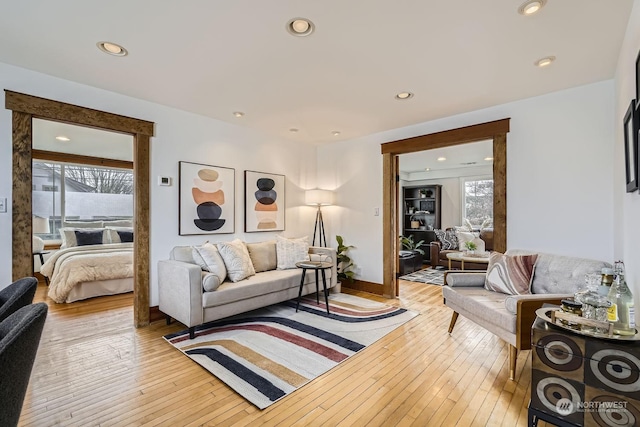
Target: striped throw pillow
{"x": 447, "y": 238}
{"x": 510, "y": 274}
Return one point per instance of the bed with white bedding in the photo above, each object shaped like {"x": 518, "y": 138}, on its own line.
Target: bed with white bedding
{"x": 80, "y": 272}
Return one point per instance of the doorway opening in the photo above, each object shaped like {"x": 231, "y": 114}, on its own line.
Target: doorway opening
{"x": 495, "y": 131}
{"x": 27, "y": 107}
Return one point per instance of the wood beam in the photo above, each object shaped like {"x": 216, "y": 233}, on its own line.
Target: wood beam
{"x": 447, "y": 138}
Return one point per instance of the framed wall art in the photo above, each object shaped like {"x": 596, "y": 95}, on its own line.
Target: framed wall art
{"x": 206, "y": 200}
{"x": 631, "y": 147}
{"x": 264, "y": 201}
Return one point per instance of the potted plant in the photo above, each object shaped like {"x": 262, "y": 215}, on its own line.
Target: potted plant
{"x": 471, "y": 246}
{"x": 415, "y": 248}
{"x": 345, "y": 264}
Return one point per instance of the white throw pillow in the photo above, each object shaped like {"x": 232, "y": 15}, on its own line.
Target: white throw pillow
{"x": 113, "y": 233}
{"x": 236, "y": 259}
{"x": 464, "y": 237}
{"x": 290, "y": 251}
{"x": 209, "y": 259}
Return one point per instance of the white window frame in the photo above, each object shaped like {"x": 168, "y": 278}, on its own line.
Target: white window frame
{"x": 463, "y": 202}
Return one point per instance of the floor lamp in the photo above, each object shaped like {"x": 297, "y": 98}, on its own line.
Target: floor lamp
{"x": 319, "y": 198}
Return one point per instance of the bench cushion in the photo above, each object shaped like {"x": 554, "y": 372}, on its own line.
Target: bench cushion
{"x": 483, "y": 304}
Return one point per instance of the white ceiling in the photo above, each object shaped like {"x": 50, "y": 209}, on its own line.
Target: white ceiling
{"x": 82, "y": 140}
{"x": 214, "y": 58}
{"x": 457, "y": 157}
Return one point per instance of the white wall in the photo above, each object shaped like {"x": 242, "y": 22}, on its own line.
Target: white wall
{"x": 178, "y": 136}
{"x": 559, "y": 178}
{"x": 451, "y": 181}
{"x": 627, "y": 205}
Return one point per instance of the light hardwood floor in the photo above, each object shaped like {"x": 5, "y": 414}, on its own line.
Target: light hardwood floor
{"x": 94, "y": 368}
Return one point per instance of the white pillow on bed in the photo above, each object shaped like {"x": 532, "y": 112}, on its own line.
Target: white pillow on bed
{"x": 69, "y": 236}
{"x": 114, "y": 237}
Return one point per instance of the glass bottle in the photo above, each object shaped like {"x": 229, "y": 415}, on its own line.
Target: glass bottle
{"x": 622, "y": 311}
{"x": 606, "y": 281}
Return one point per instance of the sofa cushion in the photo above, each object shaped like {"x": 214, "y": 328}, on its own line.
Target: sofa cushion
{"x": 259, "y": 284}
{"x": 558, "y": 274}
{"x": 263, "y": 255}
{"x": 510, "y": 274}
{"x": 209, "y": 259}
{"x": 290, "y": 251}
{"x": 236, "y": 259}
{"x": 483, "y": 304}
{"x": 447, "y": 238}
{"x": 210, "y": 281}
{"x": 182, "y": 253}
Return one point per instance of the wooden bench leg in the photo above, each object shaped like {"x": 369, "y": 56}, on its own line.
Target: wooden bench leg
{"x": 513, "y": 356}
{"x": 453, "y": 321}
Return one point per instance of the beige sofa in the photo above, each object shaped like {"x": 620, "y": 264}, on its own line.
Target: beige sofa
{"x": 183, "y": 298}
{"x": 510, "y": 316}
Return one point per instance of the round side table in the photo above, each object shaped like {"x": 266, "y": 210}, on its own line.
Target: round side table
{"x": 317, "y": 266}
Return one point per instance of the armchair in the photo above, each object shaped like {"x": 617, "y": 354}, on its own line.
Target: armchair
{"x": 17, "y": 295}
{"x": 510, "y": 317}
{"x": 19, "y": 340}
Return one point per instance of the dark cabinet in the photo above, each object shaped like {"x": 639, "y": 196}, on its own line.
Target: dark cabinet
{"x": 422, "y": 213}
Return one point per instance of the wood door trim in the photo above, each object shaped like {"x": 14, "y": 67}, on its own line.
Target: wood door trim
{"x": 53, "y": 156}
{"x": 24, "y": 109}
{"x": 447, "y": 138}
{"x": 496, "y": 130}
{"x": 68, "y": 113}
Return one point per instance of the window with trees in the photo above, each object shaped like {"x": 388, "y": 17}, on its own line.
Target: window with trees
{"x": 72, "y": 192}
{"x": 478, "y": 202}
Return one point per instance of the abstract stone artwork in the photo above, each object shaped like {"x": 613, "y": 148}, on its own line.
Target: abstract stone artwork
{"x": 207, "y": 199}
{"x": 263, "y": 201}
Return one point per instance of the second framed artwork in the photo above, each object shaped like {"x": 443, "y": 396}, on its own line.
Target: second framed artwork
{"x": 631, "y": 147}
{"x": 264, "y": 201}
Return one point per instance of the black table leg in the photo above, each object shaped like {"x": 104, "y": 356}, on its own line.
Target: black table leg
{"x": 317, "y": 288}
{"x": 304, "y": 271}
{"x": 324, "y": 285}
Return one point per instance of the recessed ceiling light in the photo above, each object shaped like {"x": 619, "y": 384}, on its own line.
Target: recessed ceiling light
{"x": 544, "y": 62}
{"x": 293, "y": 130}
{"x": 404, "y": 95}
{"x": 300, "y": 27}
{"x": 488, "y": 159}
{"x": 441, "y": 159}
{"x": 529, "y": 8}
{"x": 112, "y": 49}
{"x": 62, "y": 138}
{"x": 427, "y": 169}
{"x": 335, "y": 133}
{"x": 238, "y": 114}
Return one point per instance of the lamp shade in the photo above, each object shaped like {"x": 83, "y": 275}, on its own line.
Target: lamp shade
{"x": 40, "y": 225}
{"x": 318, "y": 197}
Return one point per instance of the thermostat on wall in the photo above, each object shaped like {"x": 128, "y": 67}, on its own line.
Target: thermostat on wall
{"x": 164, "y": 180}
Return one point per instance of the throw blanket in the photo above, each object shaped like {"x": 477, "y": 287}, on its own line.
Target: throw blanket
{"x": 70, "y": 266}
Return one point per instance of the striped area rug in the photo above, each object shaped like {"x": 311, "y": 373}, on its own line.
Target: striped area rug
{"x": 268, "y": 353}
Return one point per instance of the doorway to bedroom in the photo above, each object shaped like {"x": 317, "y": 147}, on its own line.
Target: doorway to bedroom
{"x": 25, "y": 108}
{"x": 82, "y": 181}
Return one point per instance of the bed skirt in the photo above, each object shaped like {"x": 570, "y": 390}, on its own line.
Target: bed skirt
{"x": 98, "y": 288}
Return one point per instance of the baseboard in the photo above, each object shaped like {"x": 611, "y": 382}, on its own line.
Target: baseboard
{"x": 155, "y": 314}
{"x": 364, "y": 286}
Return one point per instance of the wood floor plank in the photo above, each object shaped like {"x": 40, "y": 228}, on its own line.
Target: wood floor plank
{"x": 95, "y": 369}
